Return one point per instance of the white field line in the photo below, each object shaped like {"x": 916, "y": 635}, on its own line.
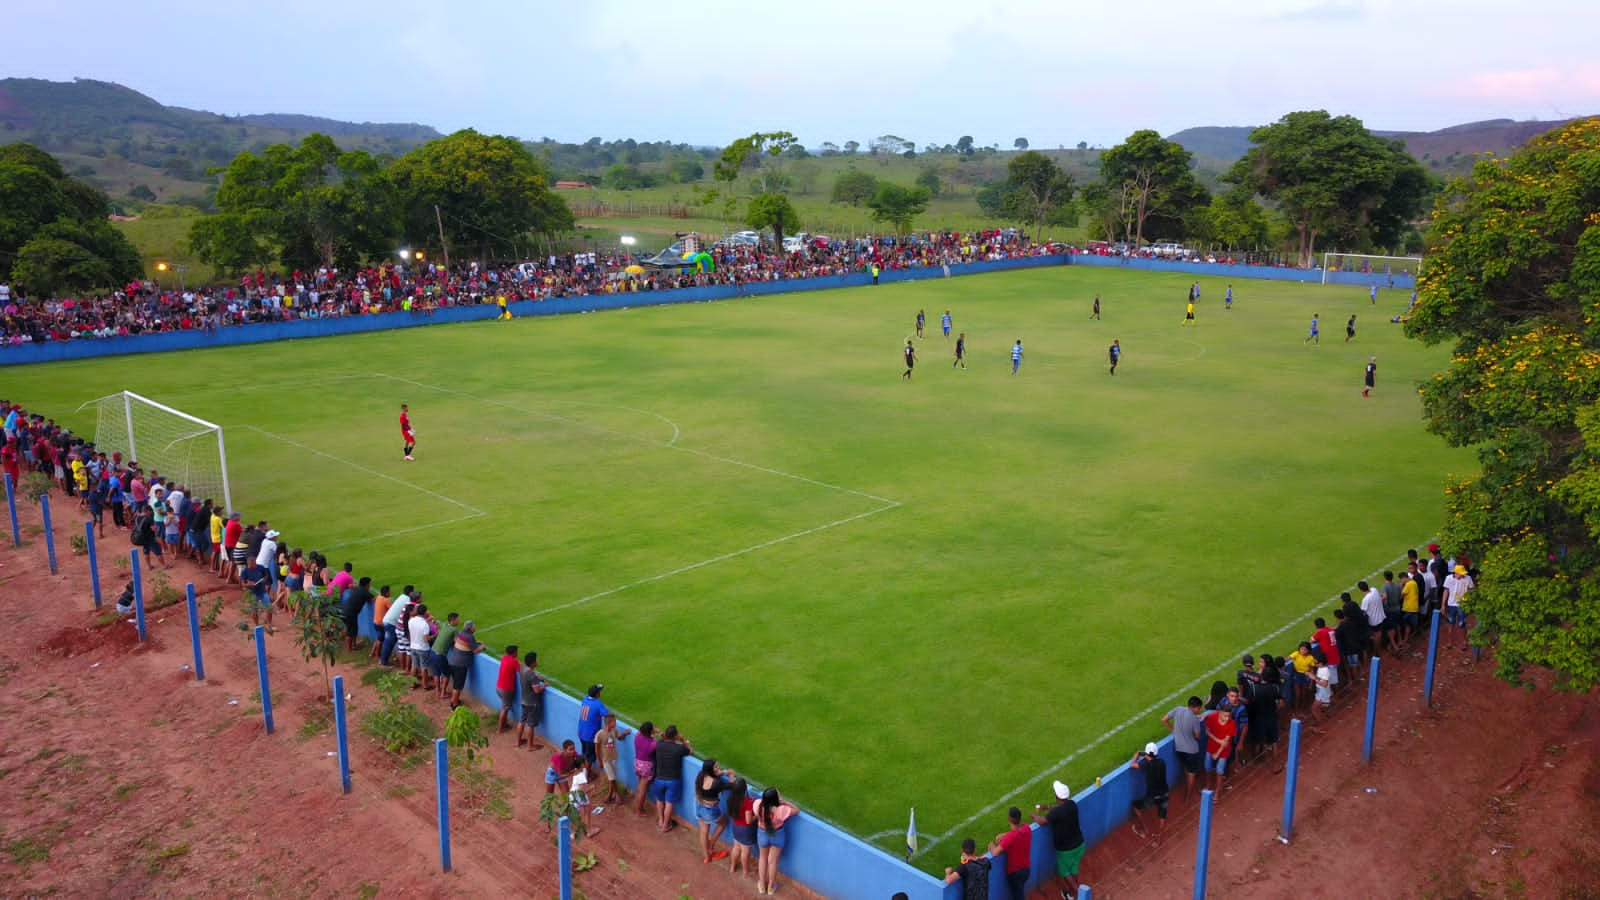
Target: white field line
{"x": 692, "y": 566}
{"x": 472, "y": 511}
{"x": 397, "y": 533}
{"x": 1132, "y": 720}
{"x": 672, "y": 444}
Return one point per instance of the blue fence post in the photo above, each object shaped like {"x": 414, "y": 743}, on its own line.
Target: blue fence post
{"x": 49, "y": 533}
{"x": 194, "y": 631}
{"x": 94, "y": 562}
{"x": 339, "y": 726}
{"x": 564, "y": 856}
{"x": 441, "y": 771}
{"x": 261, "y": 674}
{"x": 1202, "y": 849}
{"x": 1433, "y": 656}
{"x": 1291, "y": 774}
{"x": 11, "y": 501}
{"x": 1372, "y": 711}
{"x": 138, "y": 592}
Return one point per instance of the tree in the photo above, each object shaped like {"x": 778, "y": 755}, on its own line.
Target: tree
{"x": 53, "y": 229}
{"x": 489, "y": 190}
{"x": 1155, "y": 178}
{"x": 852, "y": 187}
{"x": 829, "y": 148}
{"x": 773, "y": 211}
{"x": 1083, "y": 145}
{"x": 142, "y": 192}
{"x": 1513, "y": 278}
{"x": 1332, "y": 176}
{"x": 1038, "y": 188}
{"x": 686, "y": 170}
{"x": 748, "y": 152}
{"x": 850, "y": 147}
{"x": 964, "y": 145}
{"x": 1020, "y": 143}
{"x": 928, "y": 180}
{"x": 898, "y": 205}
{"x": 1235, "y": 220}
{"x": 304, "y": 206}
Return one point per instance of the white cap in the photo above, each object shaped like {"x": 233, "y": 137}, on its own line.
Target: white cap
{"x": 271, "y": 535}
{"x": 1062, "y": 791}
{"x": 1150, "y": 749}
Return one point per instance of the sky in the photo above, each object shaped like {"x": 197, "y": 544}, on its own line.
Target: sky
{"x": 1054, "y": 73}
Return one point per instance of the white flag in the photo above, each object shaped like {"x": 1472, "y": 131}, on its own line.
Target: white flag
{"x": 911, "y": 834}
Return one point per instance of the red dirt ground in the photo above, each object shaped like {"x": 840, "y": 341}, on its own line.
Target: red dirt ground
{"x": 122, "y": 775}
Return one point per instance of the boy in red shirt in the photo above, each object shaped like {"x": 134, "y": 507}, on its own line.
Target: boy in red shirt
{"x": 506, "y": 684}
{"x": 1220, "y": 732}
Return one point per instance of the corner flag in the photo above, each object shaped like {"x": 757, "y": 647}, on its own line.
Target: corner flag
{"x": 911, "y": 835}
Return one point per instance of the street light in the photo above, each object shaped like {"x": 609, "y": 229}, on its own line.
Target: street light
{"x": 628, "y": 241}
{"x": 163, "y": 267}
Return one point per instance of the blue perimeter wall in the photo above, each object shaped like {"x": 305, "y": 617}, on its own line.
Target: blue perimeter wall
{"x": 819, "y": 856}
{"x": 826, "y": 859}
{"x": 54, "y": 351}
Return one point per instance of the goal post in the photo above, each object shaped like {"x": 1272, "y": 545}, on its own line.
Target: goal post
{"x": 1369, "y": 264}
{"x": 185, "y": 449}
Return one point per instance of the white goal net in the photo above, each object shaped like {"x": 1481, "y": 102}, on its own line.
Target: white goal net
{"x": 168, "y": 442}
{"x": 1367, "y": 264}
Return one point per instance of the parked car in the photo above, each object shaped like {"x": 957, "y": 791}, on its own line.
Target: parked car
{"x": 1170, "y": 250}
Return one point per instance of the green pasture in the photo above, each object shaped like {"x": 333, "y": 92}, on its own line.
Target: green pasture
{"x": 873, "y": 593}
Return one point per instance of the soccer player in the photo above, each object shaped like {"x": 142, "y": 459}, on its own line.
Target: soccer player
{"x": 1114, "y": 352}
{"x": 1188, "y": 313}
{"x": 1350, "y": 330}
{"x": 1372, "y": 293}
{"x": 911, "y": 359}
{"x": 1371, "y": 376}
{"x": 1227, "y": 299}
{"x": 961, "y": 351}
{"x": 1016, "y": 356}
{"x": 406, "y": 434}
{"x": 1096, "y": 313}
{"x": 1315, "y": 337}
{"x": 946, "y": 321}
{"x": 921, "y": 319}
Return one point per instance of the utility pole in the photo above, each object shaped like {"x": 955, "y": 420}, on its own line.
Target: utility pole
{"x": 446, "y": 247}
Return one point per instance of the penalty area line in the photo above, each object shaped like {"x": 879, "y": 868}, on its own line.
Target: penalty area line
{"x": 733, "y": 554}
{"x": 1133, "y": 719}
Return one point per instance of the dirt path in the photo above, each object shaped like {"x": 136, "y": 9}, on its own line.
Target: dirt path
{"x": 123, "y": 776}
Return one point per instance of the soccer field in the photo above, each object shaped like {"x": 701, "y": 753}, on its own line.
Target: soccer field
{"x": 873, "y": 593}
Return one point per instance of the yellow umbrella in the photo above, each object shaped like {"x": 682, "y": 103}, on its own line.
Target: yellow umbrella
{"x": 634, "y": 270}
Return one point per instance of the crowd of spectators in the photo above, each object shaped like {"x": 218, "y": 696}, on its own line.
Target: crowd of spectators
{"x": 144, "y": 307}
{"x": 1238, "y": 725}
{"x": 165, "y": 520}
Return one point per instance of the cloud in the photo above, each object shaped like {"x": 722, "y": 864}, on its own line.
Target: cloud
{"x": 1328, "y": 11}
{"x": 1546, "y": 83}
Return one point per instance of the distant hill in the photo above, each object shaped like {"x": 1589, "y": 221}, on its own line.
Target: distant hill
{"x": 119, "y": 140}
{"x": 1448, "y": 151}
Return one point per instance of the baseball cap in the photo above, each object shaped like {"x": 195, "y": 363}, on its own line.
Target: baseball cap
{"x": 1461, "y": 570}
{"x": 1062, "y": 791}
{"x": 1433, "y": 548}
{"x": 272, "y": 534}
{"x": 1150, "y": 749}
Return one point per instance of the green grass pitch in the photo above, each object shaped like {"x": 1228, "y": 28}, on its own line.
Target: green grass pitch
{"x": 875, "y": 594}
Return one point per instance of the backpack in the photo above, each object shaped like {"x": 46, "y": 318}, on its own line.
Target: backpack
{"x": 143, "y": 532}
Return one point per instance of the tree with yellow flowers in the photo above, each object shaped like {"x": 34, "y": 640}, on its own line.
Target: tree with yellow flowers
{"x": 1513, "y": 278}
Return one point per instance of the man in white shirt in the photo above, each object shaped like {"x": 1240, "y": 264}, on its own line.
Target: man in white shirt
{"x": 267, "y": 558}
{"x": 1372, "y": 608}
